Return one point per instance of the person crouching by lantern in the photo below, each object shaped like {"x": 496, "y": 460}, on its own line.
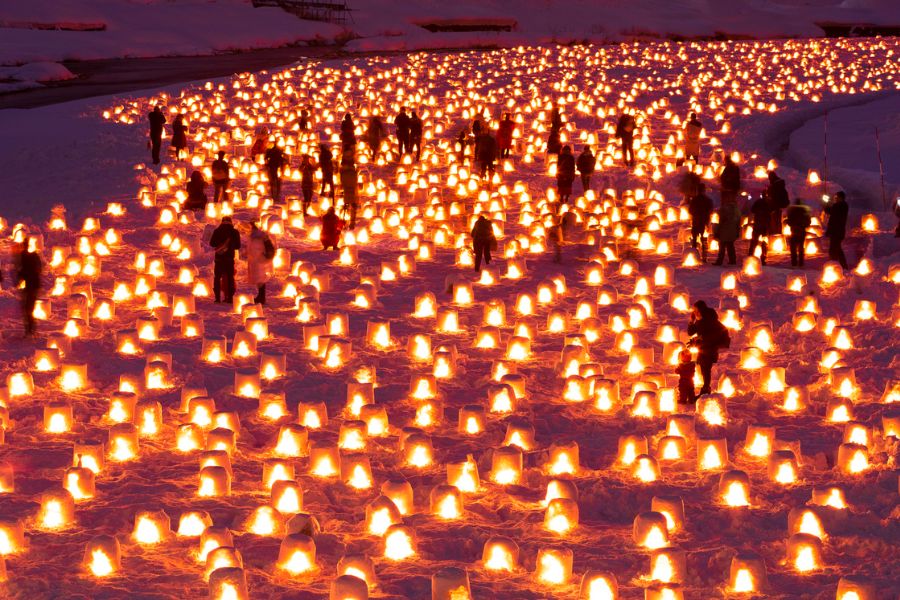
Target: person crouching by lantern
{"x": 29, "y": 274}
{"x": 260, "y": 252}
{"x": 196, "y": 192}
{"x": 799, "y": 220}
{"x": 482, "y": 241}
{"x": 685, "y": 370}
{"x": 565, "y": 174}
{"x": 349, "y": 183}
{"x": 700, "y": 207}
{"x": 225, "y": 241}
{"x": 274, "y": 163}
{"x": 220, "y": 177}
{"x": 331, "y": 229}
{"x": 708, "y": 337}
{"x": 307, "y": 175}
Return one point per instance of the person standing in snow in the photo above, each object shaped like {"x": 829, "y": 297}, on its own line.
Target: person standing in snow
{"x": 689, "y": 185}
{"x": 554, "y": 140}
{"x": 700, "y": 208}
{"x": 29, "y": 274}
{"x": 415, "y": 134}
{"x": 762, "y": 217}
{"x": 196, "y": 193}
{"x": 728, "y": 229}
{"x": 374, "y": 135}
{"x": 221, "y": 177}
{"x": 259, "y": 142}
{"x": 798, "y": 218}
{"x": 156, "y": 120}
{"x": 505, "y": 135}
{"x": 836, "y": 230}
{"x": 225, "y": 241}
{"x": 486, "y": 153}
{"x": 179, "y": 135}
{"x": 402, "y": 122}
{"x": 482, "y": 240}
{"x": 685, "y": 370}
{"x": 586, "y": 164}
{"x": 692, "y": 132}
{"x": 304, "y": 123}
{"x": 331, "y": 229}
{"x": 565, "y": 174}
{"x": 625, "y": 132}
{"x": 260, "y": 252}
{"x": 349, "y": 183}
{"x": 730, "y": 181}
{"x": 307, "y": 175}
{"x": 274, "y": 162}
{"x": 348, "y": 134}
{"x": 777, "y": 195}
{"x": 326, "y": 164}
{"x": 708, "y": 336}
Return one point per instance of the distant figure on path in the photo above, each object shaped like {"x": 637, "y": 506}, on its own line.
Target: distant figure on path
{"x": 586, "y": 165}
{"x": 687, "y": 393}
{"x": 374, "y": 135}
{"x": 625, "y": 132}
{"x": 777, "y": 195}
{"x": 482, "y": 240}
{"x": 179, "y": 136}
{"x": 196, "y": 192}
{"x": 708, "y": 336}
{"x": 728, "y": 229}
{"x": 486, "y": 153}
{"x": 836, "y": 230}
{"x": 260, "y": 252}
{"x": 565, "y": 174}
{"x": 762, "y": 218}
{"x": 700, "y": 208}
{"x": 326, "y": 164}
{"x": 692, "y": 132}
{"x": 29, "y": 273}
{"x": 348, "y": 134}
{"x": 505, "y": 135}
{"x": 415, "y": 134}
{"x": 331, "y": 229}
{"x": 156, "y": 120}
{"x": 274, "y": 162}
{"x": 260, "y": 142}
{"x": 730, "y": 180}
{"x": 798, "y": 218}
{"x": 307, "y": 176}
{"x": 220, "y": 177}
{"x": 350, "y": 183}
{"x": 554, "y": 143}
{"x": 403, "y": 123}
{"x": 225, "y": 241}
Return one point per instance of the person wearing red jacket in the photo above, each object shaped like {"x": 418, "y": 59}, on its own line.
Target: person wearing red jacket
{"x": 331, "y": 229}
{"x": 505, "y": 135}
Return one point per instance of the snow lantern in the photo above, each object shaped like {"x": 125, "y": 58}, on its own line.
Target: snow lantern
{"x": 312, "y": 415}
{"x": 804, "y": 552}
{"x": 853, "y": 589}
{"x": 554, "y": 565}
{"x": 292, "y": 441}
{"x": 228, "y": 583}
{"x": 193, "y": 523}
{"x": 418, "y": 451}
{"x": 783, "y": 467}
{"x": 287, "y": 497}
{"x": 324, "y": 459}
{"x": 563, "y": 459}
{"x": 223, "y": 557}
{"x": 215, "y": 481}
{"x": 348, "y": 587}
{"x": 672, "y": 508}
{"x": 399, "y": 542}
{"x": 650, "y": 530}
{"x": 73, "y": 376}
{"x": 58, "y": 417}
{"x": 747, "y": 573}
{"x": 599, "y": 585}
{"x": 668, "y": 565}
{"x": 79, "y": 481}
{"x": 247, "y": 383}
{"x": 151, "y": 527}
{"x": 734, "y": 488}
{"x": 359, "y": 566}
{"x": 400, "y": 492}
{"x": 102, "y": 556}
{"x": 356, "y": 471}
{"x": 506, "y": 465}
{"x": 500, "y": 554}
{"x": 297, "y": 554}
{"x": 275, "y": 470}
{"x": 759, "y": 441}
{"x": 57, "y": 509}
{"x": 122, "y": 442}
{"x": 852, "y": 458}
{"x": 561, "y": 515}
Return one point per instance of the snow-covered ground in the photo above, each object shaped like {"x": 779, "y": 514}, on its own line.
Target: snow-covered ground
{"x": 74, "y": 155}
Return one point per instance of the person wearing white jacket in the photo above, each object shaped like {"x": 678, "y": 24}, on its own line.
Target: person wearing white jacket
{"x": 260, "y": 252}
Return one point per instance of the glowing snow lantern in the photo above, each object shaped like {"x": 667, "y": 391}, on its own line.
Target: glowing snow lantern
{"x": 123, "y": 442}
{"x": 734, "y": 488}
{"x": 853, "y": 589}
{"x": 668, "y": 565}
{"x": 287, "y": 497}
{"x": 506, "y": 465}
{"x": 450, "y": 583}
{"x": 650, "y": 530}
{"x": 759, "y": 440}
{"x": 712, "y": 454}
{"x": 215, "y": 481}
{"x": 599, "y": 585}
{"x": 630, "y": 447}
{"x": 852, "y": 458}
{"x": 57, "y": 509}
{"x": 561, "y": 515}
{"x": 399, "y": 543}
{"x": 804, "y": 552}
{"x": 358, "y": 566}
{"x": 554, "y": 566}
{"x": 211, "y": 537}
{"x": 500, "y": 554}
{"x": 73, "y": 376}
{"x": 348, "y": 587}
{"x": 747, "y": 574}
{"x": 783, "y": 467}
{"x": 297, "y": 554}
{"x": 151, "y": 527}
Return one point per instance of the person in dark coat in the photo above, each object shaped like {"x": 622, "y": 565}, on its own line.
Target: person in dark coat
{"x": 798, "y": 218}
{"x": 307, "y": 176}
{"x": 730, "y": 180}
{"x": 179, "y": 135}
{"x": 708, "y": 336}
{"x": 196, "y": 192}
{"x": 374, "y": 135}
{"x": 586, "y": 164}
{"x": 415, "y": 134}
{"x": 29, "y": 273}
{"x": 505, "y": 135}
{"x": 728, "y": 230}
{"x": 331, "y": 229}
{"x": 156, "y": 120}
{"x": 220, "y": 177}
{"x": 777, "y": 196}
{"x": 625, "y": 132}
{"x": 348, "y": 134}
{"x": 554, "y": 142}
{"x": 482, "y": 240}
{"x": 836, "y": 230}
{"x": 700, "y": 209}
{"x": 762, "y": 217}
{"x": 349, "y": 176}
{"x": 304, "y": 120}
{"x": 689, "y": 185}
{"x": 225, "y": 241}
{"x": 565, "y": 174}
{"x": 274, "y": 162}
{"x": 403, "y": 124}
{"x": 326, "y": 164}
{"x": 486, "y": 152}
{"x": 685, "y": 371}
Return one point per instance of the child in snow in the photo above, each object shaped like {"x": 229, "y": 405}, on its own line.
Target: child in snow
{"x": 686, "y": 369}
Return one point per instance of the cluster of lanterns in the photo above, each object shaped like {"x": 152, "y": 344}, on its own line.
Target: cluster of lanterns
{"x": 507, "y": 370}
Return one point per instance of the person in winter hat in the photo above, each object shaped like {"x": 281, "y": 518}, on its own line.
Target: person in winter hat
{"x": 220, "y": 176}
{"x": 374, "y": 135}
{"x": 196, "y": 192}
{"x": 402, "y": 122}
{"x": 331, "y": 229}
{"x": 179, "y": 135}
{"x": 415, "y": 134}
{"x": 762, "y": 217}
{"x": 274, "y": 162}
{"x": 625, "y": 132}
{"x": 307, "y": 178}
{"x": 730, "y": 180}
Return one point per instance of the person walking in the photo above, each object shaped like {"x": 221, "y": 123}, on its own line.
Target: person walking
{"x": 762, "y": 217}
{"x": 730, "y": 181}
{"x": 402, "y": 122}
{"x": 307, "y": 175}
{"x": 565, "y": 174}
{"x": 625, "y": 132}
{"x": 374, "y": 135}
{"x": 554, "y": 139}
{"x": 331, "y": 229}
{"x": 728, "y": 230}
{"x": 260, "y": 252}
{"x": 692, "y": 132}
{"x": 505, "y": 135}
{"x": 836, "y": 230}
{"x": 482, "y": 240}
{"x": 348, "y": 134}
{"x": 586, "y": 164}
{"x": 326, "y": 164}
{"x": 798, "y": 218}
{"x": 687, "y": 393}
{"x": 700, "y": 209}
{"x": 179, "y": 136}
{"x": 221, "y": 177}
{"x": 196, "y": 193}
{"x": 156, "y": 120}
{"x": 708, "y": 336}
{"x": 225, "y": 241}
{"x": 349, "y": 183}
{"x": 274, "y": 162}
{"x": 777, "y": 196}
{"x": 486, "y": 152}
{"x": 415, "y": 134}
{"x": 28, "y": 276}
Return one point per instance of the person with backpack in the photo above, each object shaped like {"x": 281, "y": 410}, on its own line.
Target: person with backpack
{"x": 586, "y": 164}
{"x": 225, "y": 241}
{"x": 762, "y": 217}
{"x": 727, "y": 230}
{"x": 505, "y": 135}
{"x": 307, "y": 176}
{"x": 157, "y": 120}
{"x": 260, "y": 252}
{"x": 692, "y": 132}
{"x": 482, "y": 241}
{"x": 836, "y": 230}
{"x": 708, "y": 336}
{"x": 274, "y": 162}
{"x": 798, "y": 218}
{"x": 700, "y": 209}
{"x": 415, "y": 134}
{"x": 565, "y": 174}
{"x": 625, "y": 132}
{"x": 221, "y": 177}
{"x": 777, "y": 196}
